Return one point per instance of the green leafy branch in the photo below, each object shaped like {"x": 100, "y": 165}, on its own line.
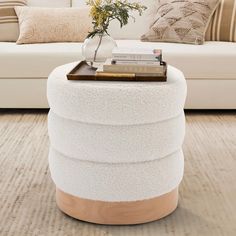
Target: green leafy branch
{"x": 105, "y": 11}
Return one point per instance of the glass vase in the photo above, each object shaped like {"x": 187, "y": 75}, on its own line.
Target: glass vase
{"x": 97, "y": 49}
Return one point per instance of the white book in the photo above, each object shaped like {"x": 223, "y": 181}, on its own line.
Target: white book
{"x": 129, "y": 62}
{"x": 122, "y": 53}
{"x": 137, "y": 69}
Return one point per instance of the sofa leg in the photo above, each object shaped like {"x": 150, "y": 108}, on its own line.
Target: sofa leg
{"x": 117, "y": 213}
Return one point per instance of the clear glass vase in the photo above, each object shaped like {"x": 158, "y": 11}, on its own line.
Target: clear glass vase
{"x": 97, "y": 49}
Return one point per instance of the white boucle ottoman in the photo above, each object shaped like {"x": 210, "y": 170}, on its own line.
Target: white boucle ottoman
{"x": 116, "y": 155}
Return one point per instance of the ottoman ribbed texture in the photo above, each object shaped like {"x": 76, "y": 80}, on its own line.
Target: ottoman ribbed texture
{"x": 116, "y": 143}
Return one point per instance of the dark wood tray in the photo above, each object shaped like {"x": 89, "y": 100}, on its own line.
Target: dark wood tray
{"x": 83, "y": 71}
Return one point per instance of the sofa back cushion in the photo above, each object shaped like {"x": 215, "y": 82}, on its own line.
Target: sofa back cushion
{"x": 49, "y": 3}
{"x": 8, "y": 20}
{"x": 134, "y": 29}
{"x": 223, "y": 24}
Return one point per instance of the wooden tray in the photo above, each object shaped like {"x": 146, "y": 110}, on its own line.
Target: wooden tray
{"x": 83, "y": 71}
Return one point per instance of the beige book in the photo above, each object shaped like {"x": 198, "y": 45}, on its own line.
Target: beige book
{"x": 135, "y": 69}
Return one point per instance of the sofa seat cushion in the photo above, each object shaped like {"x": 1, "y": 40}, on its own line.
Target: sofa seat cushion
{"x": 35, "y": 60}
{"x": 213, "y": 60}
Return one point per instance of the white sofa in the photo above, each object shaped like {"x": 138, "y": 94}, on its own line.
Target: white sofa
{"x": 210, "y": 69}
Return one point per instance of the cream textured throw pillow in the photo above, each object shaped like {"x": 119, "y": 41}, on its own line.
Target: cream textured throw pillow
{"x": 46, "y": 25}
{"x": 181, "y": 21}
{"x": 9, "y": 28}
{"x": 223, "y": 23}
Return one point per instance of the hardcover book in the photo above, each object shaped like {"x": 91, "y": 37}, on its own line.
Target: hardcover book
{"x": 137, "y": 54}
{"x": 132, "y": 68}
{"x": 130, "y": 62}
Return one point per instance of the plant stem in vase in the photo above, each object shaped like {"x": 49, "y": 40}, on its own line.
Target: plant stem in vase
{"x": 96, "y": 50}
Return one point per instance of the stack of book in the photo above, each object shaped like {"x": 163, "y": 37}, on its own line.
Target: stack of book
{"x": 142, "y": 64}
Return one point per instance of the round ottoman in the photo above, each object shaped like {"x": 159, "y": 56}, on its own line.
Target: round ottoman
{"x": 116, "y": 155}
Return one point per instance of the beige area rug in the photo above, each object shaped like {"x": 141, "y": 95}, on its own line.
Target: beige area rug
{"x": 207, "y": 204}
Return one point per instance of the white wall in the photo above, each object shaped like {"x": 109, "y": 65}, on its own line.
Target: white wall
{"x": 78, "y": 3}
{"x": 49, "y": 3}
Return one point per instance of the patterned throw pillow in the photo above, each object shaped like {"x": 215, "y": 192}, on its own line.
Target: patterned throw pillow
{"x": 9, "y": 28}
{"x": 181, "y": 21}
{"x": 223, "y": 23}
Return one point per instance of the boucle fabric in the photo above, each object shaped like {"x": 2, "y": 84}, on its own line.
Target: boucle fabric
{"x": 116, "y": 144}
{"x": 116, "y": 182}
{"x": 183, "y": 21}
{"x": 135, "y": 102}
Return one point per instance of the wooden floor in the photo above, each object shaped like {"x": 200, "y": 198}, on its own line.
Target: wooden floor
{"x": 207, "y": 195}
